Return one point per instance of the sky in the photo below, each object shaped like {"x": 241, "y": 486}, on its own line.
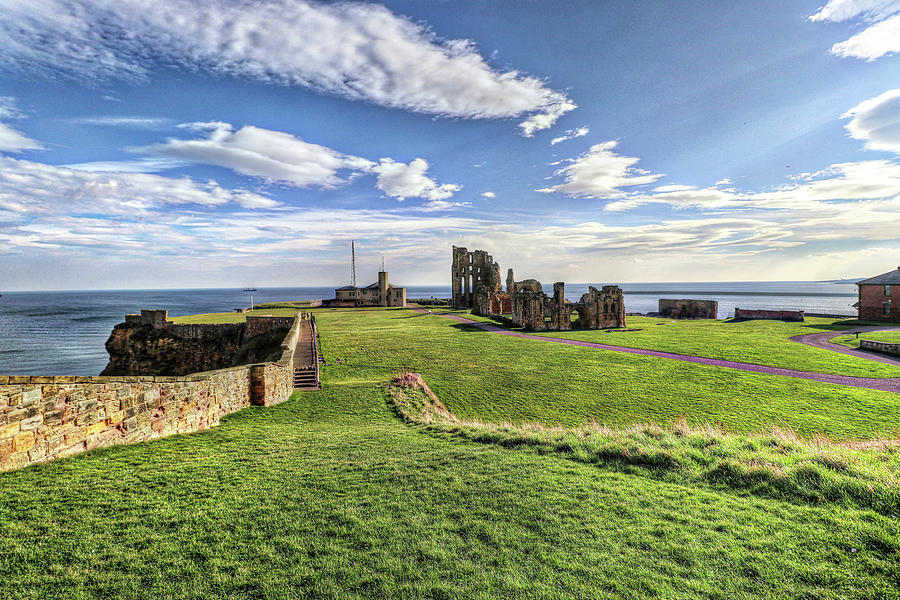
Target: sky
{"x": 201, "y": 143}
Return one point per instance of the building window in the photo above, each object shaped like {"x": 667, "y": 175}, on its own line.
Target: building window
{"x": 887, "y": 290}
{"x": 887, "y": 308}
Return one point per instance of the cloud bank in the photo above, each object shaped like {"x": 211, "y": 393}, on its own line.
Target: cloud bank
{"x": 359, "y": 51}
{"x": 601, "y": 173}
{"x": 12, "y": 140}
{"x": 279, "y": 157}
{"x": 880, "y": 38}
{"x": 877, "y": 121}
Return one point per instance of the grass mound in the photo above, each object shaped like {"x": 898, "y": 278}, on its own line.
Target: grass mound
{"x": 779, "y": 464}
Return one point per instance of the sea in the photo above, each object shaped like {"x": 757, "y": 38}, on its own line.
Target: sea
{"x": 63, "y": 333}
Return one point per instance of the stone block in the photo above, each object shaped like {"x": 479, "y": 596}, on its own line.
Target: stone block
{"x": 38, "y": 453}
{"x": 6, "y": 448}
{"x": 77, "y": 436}
{"x": 31, "y": 422}
{"x": 70, "y": 450}
{"x": 23, "y": 441}
{"x": 14, "y": 416}
{"x": 105, "y": 438}
{"x": 20, "y": 379}
{"x": 9, "y": 430}
{"x": 115, "y": 417}
{"x": 14, "y": 461}
{"x": 41, "y": 379}
{"x": 54, "y": 416}
{"x": 96, "y": 428}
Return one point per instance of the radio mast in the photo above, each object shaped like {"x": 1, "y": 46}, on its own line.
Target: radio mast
{"x": 353, "y": 263}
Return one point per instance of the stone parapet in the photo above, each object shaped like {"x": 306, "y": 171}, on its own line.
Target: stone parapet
{"x": 47, "y": 417}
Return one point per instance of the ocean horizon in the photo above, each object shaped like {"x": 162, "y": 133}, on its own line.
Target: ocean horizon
{"x": 64, "y": 332}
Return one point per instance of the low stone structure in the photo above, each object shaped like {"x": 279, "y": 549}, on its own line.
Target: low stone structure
{"x": 476, "y": 284}
{"x": 688, "y": 309}
{"x": 882, "y": 347}
{"x": 47, "y": 417}
{"x": 778, "y": 315}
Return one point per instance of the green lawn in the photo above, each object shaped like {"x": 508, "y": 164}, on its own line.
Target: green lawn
{"x": 891, "y": 337}
{"x": 498, "y": 378}
{"x": 331, "y": 495}
{"x": 758, "y": 341}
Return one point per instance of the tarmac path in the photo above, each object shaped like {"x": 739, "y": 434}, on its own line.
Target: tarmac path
{"x": 819, "y": 340}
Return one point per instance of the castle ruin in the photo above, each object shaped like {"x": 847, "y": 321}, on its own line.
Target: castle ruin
{"x": 476, "y": 285}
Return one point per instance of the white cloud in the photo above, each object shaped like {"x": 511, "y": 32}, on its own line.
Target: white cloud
{"x": 272, "y": 155}
{"x": 33, "y": 188}
{"x": 440, "y": 205}
{"x": 132, "y": 122}
{"x": 356, "y": 50}
{"x": 877, "y": 40}
{"x": 601, "y": 173}
{"x": 401, "y": 181}
{"x": 489, "y": 195}
{"x": 570, "y": 134}
{"x": 877, "y": 121}
{"x": 723, "y": 181}
{"x": 842, "y": 10}
{"x": 12, "y": 140}
{"x": 143, "y": 165}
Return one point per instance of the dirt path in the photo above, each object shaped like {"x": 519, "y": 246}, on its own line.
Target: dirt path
{"x": 872, "y": 383}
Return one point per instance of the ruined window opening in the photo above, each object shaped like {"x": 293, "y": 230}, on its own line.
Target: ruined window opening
{"x": 887, "y": 290}
{"x": 887, "y": 308}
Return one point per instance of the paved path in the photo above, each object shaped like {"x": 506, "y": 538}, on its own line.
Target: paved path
{"x": 872, "y": 383}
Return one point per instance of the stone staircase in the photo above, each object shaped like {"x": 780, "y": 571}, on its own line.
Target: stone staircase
{"x": 306, "y": 356}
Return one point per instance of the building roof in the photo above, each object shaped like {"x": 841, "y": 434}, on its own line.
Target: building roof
{"x": 374, "y": 286}
{"x": 346, "y": 288}
{"x": 889, "y": 278}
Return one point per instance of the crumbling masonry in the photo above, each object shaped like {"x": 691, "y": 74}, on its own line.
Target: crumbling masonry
{"x": 476, "y": 285}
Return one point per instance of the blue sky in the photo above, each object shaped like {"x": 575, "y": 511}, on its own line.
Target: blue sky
{"x": 220, "y": 144}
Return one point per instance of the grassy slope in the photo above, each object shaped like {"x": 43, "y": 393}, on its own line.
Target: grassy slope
{"x": 758, "y": 342}
{"x": 498, "y": 378}
{"x": 329, "y": 495}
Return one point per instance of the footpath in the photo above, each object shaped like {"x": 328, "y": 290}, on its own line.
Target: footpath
{"x": 891, "y": 384}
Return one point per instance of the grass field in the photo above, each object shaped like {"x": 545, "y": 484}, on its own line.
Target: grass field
{"x": 331, "y": 495}
{"x": 757, "y": 341}
{"x": 891, "y": 337}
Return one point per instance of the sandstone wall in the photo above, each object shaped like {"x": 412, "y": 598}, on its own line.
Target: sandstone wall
{"x": 47, "y": 417}
{"x": 783, "y": 315}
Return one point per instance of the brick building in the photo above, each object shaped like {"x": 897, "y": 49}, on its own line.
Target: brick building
{"x": 879, "y": 297}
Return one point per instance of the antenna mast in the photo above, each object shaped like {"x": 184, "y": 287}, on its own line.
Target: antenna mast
{"x": 382, "y": 263}
{"x": 353, "y": 263}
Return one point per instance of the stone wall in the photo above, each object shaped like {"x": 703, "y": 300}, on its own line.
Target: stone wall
{"x": 47, "y": 417}
{"x": 782, "y": 315}
{"x": 149, "y": 344}
{"x": 688, "y": 309}
{"x": 883, "y": 347}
